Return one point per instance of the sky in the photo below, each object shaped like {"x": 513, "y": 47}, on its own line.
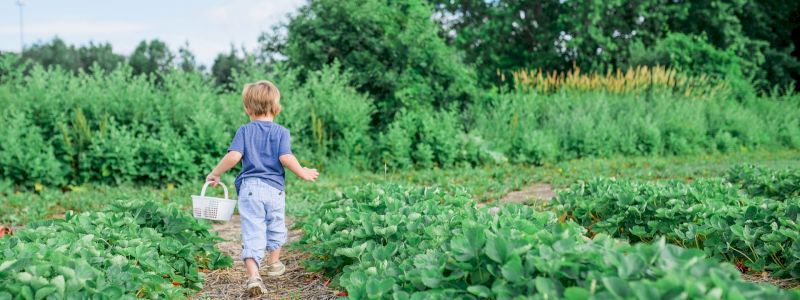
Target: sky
{"x": 209, "y": 26}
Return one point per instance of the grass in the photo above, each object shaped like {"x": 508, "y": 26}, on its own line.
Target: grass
{"x": 485, "y": 183}
{"x": 669, "y": 167}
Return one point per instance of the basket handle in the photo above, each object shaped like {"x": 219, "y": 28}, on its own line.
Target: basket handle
{"x": 203, "y": 192}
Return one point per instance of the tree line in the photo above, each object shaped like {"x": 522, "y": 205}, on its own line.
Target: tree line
{"x": 457, "y": 45}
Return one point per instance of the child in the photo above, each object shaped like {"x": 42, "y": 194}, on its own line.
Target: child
{"x": 265, "y": 148}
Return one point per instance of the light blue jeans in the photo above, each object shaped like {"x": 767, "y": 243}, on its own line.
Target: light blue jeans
{"x": 261, "y": 208}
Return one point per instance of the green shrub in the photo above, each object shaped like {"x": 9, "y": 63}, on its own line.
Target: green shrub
{"x": 394, "y": 51}
{"x": 696, "y": 56}
{"x": 166, "y": 157}
{"x": 112, "y": 158}
{"x": 539, "y": 128}
{"x": 116, "y": 127}
{"x": 422, "y": 138}
{"x": 689, "y": 53}
{"x": 25, "y": 156}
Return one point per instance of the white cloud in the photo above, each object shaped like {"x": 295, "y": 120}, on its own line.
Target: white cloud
{"x": 260, "y": 14}
{"x": 240, "y": 22}
{"x": 253, "y": 11}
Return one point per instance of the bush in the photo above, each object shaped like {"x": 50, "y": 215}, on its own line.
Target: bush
{"x": 530, "y": 127}
{"x": 694, "y": 55}
{"x": 112, "y": 158}
{"x": 118, "y": 127}
{"x": 422, "y": 138}
{"x": 26, "y": 157}
{"x": 393, "y": 50}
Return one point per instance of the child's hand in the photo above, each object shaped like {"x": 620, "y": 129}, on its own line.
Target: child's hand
{"x": 310, "y": 174}
{"x": 214, "y": 179}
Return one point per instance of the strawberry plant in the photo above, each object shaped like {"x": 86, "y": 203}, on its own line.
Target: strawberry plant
{"x": 391, "y": 242}
{"x": 756, "y": 181}
{"x": 711, "y": 215}
{"x": 130, "y": 250}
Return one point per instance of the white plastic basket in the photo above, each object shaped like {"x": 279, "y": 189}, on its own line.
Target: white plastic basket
{"x": 213, "y": 208}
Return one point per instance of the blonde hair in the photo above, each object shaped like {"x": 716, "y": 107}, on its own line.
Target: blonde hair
{"x": 261, "y": 98}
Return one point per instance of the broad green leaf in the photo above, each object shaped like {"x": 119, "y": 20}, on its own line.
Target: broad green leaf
{"x": 616, "y": 286}
{"x": 59, "y": 283}
{"x": 431, "y": 278}
{"x": 546, "y": 287}
{"x": 376, "y": 289}
{"x": 497, "y": 248}
{"x": 44, "y": 291}
{"x": 630, "y": 264}
{"x": 469, "y": 245}
{"x": 512, "y": 270}
{"x": 6, "y": 264}
{"x": 26, "y": 293}
{"x": 24, "y": 277}
{"x": 644, "y": 291}
{"x": 576, "y": 293}
{"x": 480, "y": 291}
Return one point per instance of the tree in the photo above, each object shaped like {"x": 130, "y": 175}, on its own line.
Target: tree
{"x": 691, "y": 54}
{"x": 151, "y": 57}
{"x": 503, "y": 35}
{"x": 225, "y": 65}
{"x": 775, "y": 21}
{"x": 58, "y": 53}
{"x": 595, "y": 35}
{"x": 391, "y": 48}
{"x": 186, "y": 59}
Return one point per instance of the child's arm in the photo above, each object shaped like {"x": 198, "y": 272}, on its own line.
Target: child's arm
{"x": 291, "y": 163}
{"x": 226, "y": 163}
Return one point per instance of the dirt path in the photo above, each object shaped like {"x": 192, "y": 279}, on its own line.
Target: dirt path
{"x": 536, "y": 195}
{"x": 536, "y": 191}
{"x": 296, "y": 283}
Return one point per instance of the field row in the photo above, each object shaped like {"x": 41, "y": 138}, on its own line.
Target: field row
{"x": 384, "y": 241}
{"x": 131, "y": 249}
{"x": 485, "y": 184}
{"x": 425, "y": 238}
{"x": 758, "y": 230}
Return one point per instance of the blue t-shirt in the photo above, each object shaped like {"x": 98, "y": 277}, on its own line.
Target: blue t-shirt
{"x": 261, "y": 143}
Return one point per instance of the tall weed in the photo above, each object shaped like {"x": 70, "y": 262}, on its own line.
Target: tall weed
{"x": 540, "y": 128}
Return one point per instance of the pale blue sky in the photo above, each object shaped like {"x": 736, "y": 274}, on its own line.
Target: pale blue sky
{"x": 210, "y": 26}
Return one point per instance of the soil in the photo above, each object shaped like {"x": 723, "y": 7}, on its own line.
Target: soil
{"x": 787, "y": 283}
{"x": 536, "y": 191}
{"x": 296, "y": 283}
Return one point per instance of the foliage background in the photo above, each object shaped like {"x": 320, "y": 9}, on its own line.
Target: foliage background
{"x": 376, "y": 85}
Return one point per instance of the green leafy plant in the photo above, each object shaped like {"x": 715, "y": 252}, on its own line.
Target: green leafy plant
{"x": 392, "y": 242}
{"x": 135, "y": 249}
{"x": 756, "y": 234}
{"x": 781, "y": 185}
